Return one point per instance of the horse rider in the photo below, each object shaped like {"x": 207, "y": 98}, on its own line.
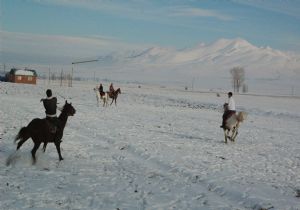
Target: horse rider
{"x": 101, "y": 90}
{"x": 229, "y": 109}
{"x": 111, "y": 89}
{"x": 50, "y": 104}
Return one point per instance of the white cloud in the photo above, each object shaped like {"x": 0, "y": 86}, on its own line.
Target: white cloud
{"x": 287, "y": 7}
{"x": 197, "y": 12}
{"x": 108, "y": 6}
{"x": 138, "y": 9}
{"x": 54, "y": 46}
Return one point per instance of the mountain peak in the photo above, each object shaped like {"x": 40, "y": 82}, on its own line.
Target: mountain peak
{"x": 234, "y": 43}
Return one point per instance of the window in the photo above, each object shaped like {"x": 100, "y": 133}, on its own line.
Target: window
{"x": 19, "y": 77}
{"x": 29, "y": 78}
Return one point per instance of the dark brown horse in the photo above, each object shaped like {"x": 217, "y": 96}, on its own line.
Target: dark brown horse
{"x": 38, "y": 130}
{"x": 114, "y": 95}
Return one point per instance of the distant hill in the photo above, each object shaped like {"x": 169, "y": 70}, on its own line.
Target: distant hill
{"x": 215, "y": 58}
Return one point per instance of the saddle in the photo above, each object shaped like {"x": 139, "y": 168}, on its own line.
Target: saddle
{"x": 102, "y": 94}
{"x": 111, "y": 93}
{"x": 51, "y": 124}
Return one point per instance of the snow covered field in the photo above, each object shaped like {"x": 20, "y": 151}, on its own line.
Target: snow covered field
{"x": 159, "y": 148}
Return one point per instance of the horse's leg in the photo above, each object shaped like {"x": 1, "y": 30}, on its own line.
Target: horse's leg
{"x": 33, "y": 151}
{"x": 57, "y": 145}
{"x": 232, "y": 133}
{"x": 235, "y": 134}
{"x": 233, "y": 138}
{"x": 20, "y": 143}
{"x": 228, "y": 133}
{"x": 225, "y": 135}
{"x": 112, "y": 101}
{"x": 44, "y": 147}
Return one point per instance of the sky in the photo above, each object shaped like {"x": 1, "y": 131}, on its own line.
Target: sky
{"x": 99, "y": 26}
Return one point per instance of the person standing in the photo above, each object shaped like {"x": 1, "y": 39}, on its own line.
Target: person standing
{"x": 229, "y": 109}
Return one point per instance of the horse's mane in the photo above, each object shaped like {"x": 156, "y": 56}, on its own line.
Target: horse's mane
{"x": 64, "y": 109}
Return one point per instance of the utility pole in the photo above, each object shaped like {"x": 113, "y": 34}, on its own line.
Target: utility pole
{"x": 79, "y": 62}
{"x": 61, "y": 77}
{"x": 71, "y": 81}
{"x": 193, "y": 84}
{"x": 49, "y": 76}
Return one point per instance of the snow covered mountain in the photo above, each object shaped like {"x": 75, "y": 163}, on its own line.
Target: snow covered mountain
{"x": 217, "y": 57}
{"x": 205, "y": 66}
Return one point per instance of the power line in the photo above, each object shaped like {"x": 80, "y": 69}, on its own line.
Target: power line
{"x": 77, "y": 62}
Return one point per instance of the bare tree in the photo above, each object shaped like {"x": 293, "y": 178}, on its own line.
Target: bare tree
{"x": 238, "y": 77}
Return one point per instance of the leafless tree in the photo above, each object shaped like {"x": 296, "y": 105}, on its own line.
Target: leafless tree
{"x": 238, "y": 77}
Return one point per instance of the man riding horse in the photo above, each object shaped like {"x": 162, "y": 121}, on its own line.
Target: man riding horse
{"x": 111, "y": 89}
{"x": 229, "y": 109}
{"x": 101, "y": 90}
{"x": 50, "y": 105}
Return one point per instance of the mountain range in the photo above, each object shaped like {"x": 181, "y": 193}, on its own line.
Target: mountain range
{"x": 207, "y": 59}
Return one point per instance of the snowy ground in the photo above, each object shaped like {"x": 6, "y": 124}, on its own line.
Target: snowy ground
{"x": 157, "y": 149}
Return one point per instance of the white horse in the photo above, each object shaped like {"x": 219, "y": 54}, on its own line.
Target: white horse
{"x": 98, "y": 97}
{"x": 232, "y": 125}
{"x": 105, "y": 99}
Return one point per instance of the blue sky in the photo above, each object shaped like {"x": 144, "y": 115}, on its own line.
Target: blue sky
{"x": 171, "y": 23}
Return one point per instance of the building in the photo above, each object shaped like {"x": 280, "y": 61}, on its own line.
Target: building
{"x": 27, "y": 76}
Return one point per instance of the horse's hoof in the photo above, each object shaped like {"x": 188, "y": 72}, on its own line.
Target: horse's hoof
{"x": 60, "y": 159}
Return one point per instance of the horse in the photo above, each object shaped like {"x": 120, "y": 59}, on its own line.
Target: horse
{"x": 98, "y": 97}
{"x": 232, "y": 124}
{"x": 38, "y": 130}
{"x": 114, "y": 95}
{"x": 101, "y": 96}
{"x": 105, "y": 99}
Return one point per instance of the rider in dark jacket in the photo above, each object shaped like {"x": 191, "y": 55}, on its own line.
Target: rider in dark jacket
{"x": 111, "y": 88}
{"x": 50, "y": 104}
{"x": 101, "y": 90}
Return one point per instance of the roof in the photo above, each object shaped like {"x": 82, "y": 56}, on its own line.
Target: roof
{"x": 26, "y": 72}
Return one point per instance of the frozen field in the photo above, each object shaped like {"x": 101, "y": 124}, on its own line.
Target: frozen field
{"x": 157, "y": 149}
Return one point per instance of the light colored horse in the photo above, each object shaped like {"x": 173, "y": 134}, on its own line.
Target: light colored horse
{"x": 105, "y": 99}
{"x": 98, "y": 97}
{"x": 232, "y": 125}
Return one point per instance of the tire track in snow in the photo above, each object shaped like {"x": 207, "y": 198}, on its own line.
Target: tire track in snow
{"x": 201, "y": 189}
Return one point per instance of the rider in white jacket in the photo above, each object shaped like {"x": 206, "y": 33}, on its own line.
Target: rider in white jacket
{"x": 230, "y": 109}
{"x": 231, "y": 103}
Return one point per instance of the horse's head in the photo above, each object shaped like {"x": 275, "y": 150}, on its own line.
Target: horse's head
{"x": 118, "y": 90}
{"x": 69, "y": 109}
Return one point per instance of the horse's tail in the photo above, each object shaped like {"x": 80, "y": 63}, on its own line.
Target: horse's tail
{"x": 22, "y": 135}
